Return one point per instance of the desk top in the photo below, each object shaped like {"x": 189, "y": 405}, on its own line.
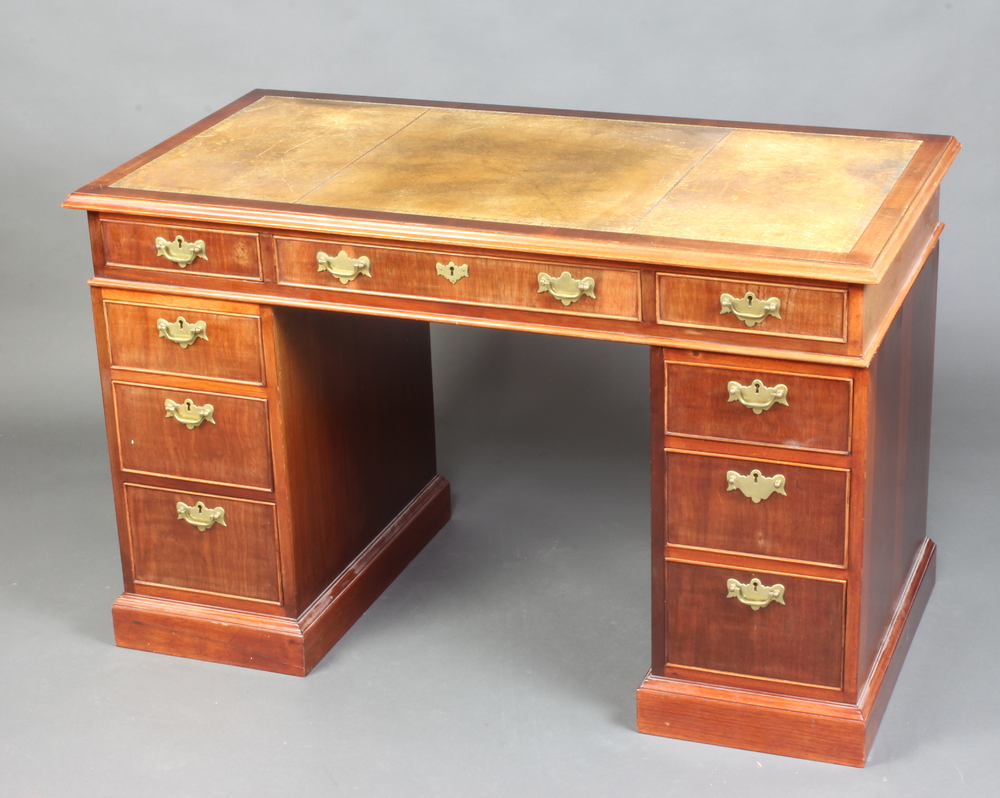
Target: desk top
{"x": 807, "y": 202}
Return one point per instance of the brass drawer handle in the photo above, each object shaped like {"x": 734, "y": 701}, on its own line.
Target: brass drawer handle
{"x": 180, "y": 251}
{"x": 749, "y": 309}
{"x": 201, "y": 516}
{"x": 344, "y": 267}
{"x": 757, "y": 396}
{"x": 452, "y": 272}
{"x": 188, "y": 413}
{"x": 181, "y": 332}
{"x": 755, "y": 486}
{"x": 755, "y": 594}
{"x": 565, "y": 287}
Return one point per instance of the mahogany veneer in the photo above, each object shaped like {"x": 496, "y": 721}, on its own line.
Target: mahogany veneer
{"x": 319, "y": 461}
{"x": 232, "y": 350}
{"x": 807, "y": 522}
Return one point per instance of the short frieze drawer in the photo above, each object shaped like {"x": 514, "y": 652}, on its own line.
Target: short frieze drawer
{"x": 182, "y": 249}
{"x": 755, "y": 308}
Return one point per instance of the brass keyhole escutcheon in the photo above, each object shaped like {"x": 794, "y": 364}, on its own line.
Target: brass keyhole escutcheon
{"x": 755, "y": 486}
{"x": 453, "y": 272}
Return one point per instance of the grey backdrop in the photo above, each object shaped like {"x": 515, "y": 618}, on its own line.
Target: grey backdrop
{"x": 504, "y": 661}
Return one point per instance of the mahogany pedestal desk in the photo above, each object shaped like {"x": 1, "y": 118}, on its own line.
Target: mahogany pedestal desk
{"x": 264, "y": 282}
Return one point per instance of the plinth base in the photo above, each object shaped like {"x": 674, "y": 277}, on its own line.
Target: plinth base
{"x": 775, "y": 724}
{"x": 273, "y": 643}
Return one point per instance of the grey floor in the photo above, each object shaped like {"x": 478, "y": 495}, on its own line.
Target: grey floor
{"x": 504, "y": 661}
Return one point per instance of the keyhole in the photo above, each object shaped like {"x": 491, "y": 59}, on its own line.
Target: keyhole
{"x": 451, "y": 268}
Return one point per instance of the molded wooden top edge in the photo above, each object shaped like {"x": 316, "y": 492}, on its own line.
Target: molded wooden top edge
{"x": 525, "y": 218}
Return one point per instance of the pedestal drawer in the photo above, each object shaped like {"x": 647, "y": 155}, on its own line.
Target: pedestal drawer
{"x": 807, "y": 412}
{"x": 452, "y": 277}
{"x": 207, "y": 437}
{"x": 237, "y": 555}
{"x": 800, "y": 641}
{"x": 181, "y": 338}
{"x": 746, "y": 506}
{"x": 182, "y": 249}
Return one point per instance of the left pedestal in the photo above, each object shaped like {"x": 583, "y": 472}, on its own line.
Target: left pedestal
{"x": 274, "y": 470}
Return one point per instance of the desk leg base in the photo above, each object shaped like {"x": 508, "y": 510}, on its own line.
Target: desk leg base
{"x": 274, "y": 643}
{"x": 820, "y": 730}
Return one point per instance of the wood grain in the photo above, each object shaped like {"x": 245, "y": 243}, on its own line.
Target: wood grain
{"x": 323, "y": 450}
{"x": 801, "y": 641}
{"x": 232, "y": 350}
{"x": 803, "y": 731}
{"x": 899, "y": 414}
{"x": 238, "y": 559}
{"x": 826, "y": 731}
{"x": 808, "y": 254}
{"x": 354, "y": 427}
{"x": 234, "y": 450}
{"x": 229, "y": 253}
{"x": 806, "y": 311}
{"x": 236, "y": 636}
{"x": 809, "y": 523}
{"x": 882, "y": 301}
{"x": 818, "y": 414}
{"x": 494, "y": 282}
{"x": 558, "y": 323}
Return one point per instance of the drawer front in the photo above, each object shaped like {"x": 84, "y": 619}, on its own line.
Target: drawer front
{"x": 786, "y": 310}
{"x": 817, "y": 413}
{"x": 217, "y": 438}
{"x": 236, "y": 558}
{"x": 753, "y": 507}
{"x": 226, "y": 253}
{"x": 182, "y": 339}
{"x": 800, "y": 641}
{"x": 477, "y": 281}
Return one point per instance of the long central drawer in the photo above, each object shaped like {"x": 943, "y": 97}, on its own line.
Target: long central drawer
{"x": 506, "y": 283}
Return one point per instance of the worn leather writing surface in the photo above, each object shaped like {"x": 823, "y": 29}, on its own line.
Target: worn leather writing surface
{"x": 810, "y": 191}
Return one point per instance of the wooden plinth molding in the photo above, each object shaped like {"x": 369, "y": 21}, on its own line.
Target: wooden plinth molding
{"x": 285, "y": 645}
{"x": 809, "y": 729}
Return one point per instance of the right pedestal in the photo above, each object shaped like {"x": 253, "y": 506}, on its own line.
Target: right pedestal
{"x": 790, "y": 558}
